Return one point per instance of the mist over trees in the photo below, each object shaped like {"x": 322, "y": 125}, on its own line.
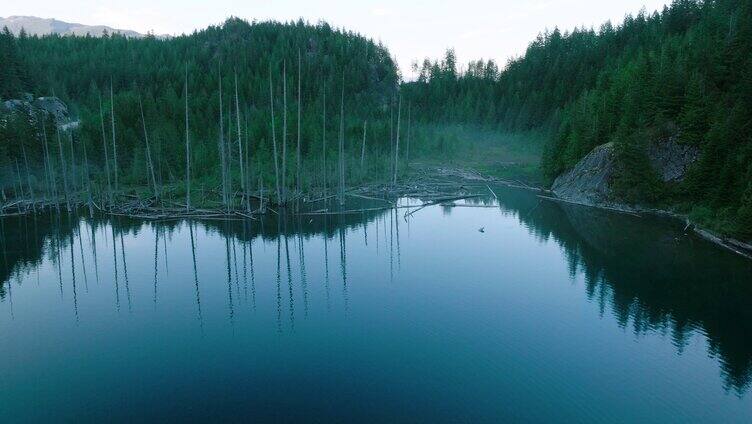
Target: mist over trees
{"x": 683, "y": 72}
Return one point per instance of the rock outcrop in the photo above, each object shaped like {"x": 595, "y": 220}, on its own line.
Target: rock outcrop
{"x": 589, "y": 182}
{"x": 671, "y": 159}
{"x": 49, "y": 106}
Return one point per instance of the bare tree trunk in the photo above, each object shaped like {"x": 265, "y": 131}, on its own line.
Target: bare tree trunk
{"x": 19, "y": 180}
{"x": 299, "y": 175}
{"x": 363, "y": 147}
{"x": 274, "y": 136}
{"x": 240, "y": 145}
{"x": 248, "y": 169}
{"x": 391, "y": 133}
{"x": 73, "y": 161}
{"x": 223, "y": 166}
{"x": 62, "y": 166}
{"x": 187, "y": 149}
{"x": 342, "y": 144}
{"x": 87, "y": 180}
{"x": 407, "y": 150}
{"x": 396, "y": 145}
{"x": 284, "y": 133}
{"x": 228, "y": 150}
{"x": 323, "y": 142}
{"x": 261, "y": 191}
{"x": 47, "y": 164}
{"x": 28, "y": 176}
{"x": 148, "y": 150}
{"x": 114, "y": 145}
{"x": 106, "y": 153}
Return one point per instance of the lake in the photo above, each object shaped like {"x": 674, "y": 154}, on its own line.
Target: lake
{"x": 553, "y": 312}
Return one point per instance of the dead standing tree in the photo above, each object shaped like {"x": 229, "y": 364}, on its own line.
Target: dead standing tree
{"x": 284, "y": 133}
{"x": 222, "y": 164}
{"x": 114, "y": 145}
{"x": 187, "y": 149}
{"x": 299, "y": 175}
{"x": 363, "y": 146}
{"x": 274, "y": 135}
{"x": 106, "y": 153}
{"x": 149, "y": 162}
{"x": 396, "y": 145}
{"x": 342, "y": 144}
{"x": 240, "y": 147}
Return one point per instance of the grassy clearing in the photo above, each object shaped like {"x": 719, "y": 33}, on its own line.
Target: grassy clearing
{"x": 495, "y": 153}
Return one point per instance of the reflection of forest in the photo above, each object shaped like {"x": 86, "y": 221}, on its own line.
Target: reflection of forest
{"x": 26, "y": 240}
{"x": 651, "y": 275}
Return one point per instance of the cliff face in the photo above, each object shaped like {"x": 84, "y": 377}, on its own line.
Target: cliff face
{"x": 589, "y": 182}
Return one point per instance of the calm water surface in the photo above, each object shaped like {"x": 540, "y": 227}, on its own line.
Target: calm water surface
{"x": 553, "y": 313}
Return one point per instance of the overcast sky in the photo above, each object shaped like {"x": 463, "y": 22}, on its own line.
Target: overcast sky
{"x": 412, "y": 29}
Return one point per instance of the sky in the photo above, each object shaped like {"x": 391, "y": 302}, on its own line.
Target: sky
{"x": 412, "y": 30}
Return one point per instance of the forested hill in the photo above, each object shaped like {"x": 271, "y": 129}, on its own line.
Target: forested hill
{"x": 684, "y": 72}
{"x": 341, "y": 65}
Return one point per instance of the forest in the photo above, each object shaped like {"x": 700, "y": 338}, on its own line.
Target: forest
{"x": 339, "y": 105}
{"x": 273, "y": 106}
{"x": 683, "y": 72}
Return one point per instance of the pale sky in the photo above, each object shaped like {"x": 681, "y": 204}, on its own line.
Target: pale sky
{"x": 412, "y": 30}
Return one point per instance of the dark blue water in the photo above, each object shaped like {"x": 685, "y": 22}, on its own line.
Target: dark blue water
{"x": 553, "y": 313}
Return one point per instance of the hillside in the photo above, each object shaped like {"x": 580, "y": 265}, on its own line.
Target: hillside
{"x": 682, "y": 74}
{"x": 349, "y": 71}
{"x": 33, "y": 25}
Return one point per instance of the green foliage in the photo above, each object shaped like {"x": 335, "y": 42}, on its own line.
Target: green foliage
{"x": 13, "y": 73}
{"x": 684, "y": 72}
{"x": 80, "y": 71}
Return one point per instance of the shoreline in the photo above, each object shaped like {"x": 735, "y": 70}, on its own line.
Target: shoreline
{"x": 388, "y": 193}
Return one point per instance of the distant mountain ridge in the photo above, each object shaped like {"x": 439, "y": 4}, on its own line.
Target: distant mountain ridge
{"x": 41, "y": 26}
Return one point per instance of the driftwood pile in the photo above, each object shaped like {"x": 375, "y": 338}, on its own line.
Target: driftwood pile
{"x": 424, "y": 187}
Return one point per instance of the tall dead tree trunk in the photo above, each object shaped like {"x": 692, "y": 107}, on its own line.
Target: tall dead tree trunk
{"x": 223, "y": 166}
{"x": 274, "y": 136}
{"x": 240, "y": 145}
{"x": 187, "y": 149}
{"x": 363, "y": 147}
{"x": 19, "y": 181}
{"x": 391, "y": 134}
{"x": 342, "y": 144}
{"x": 47, "y": 165}
{"x": 114, "y": 145}
{"x": 298, "y": 184}
{"x": 106, "y": 153}
{"x": 87, "y": 181}
{"x": 228, "y": 150}
{"x": 28, "y": 176}
{"x": 62, "y": 166}
{"x": 407, "y": 150}
{"x": 248, "y": 168}
{"x": 74, "y": 182}
{"x": 323, "y": 142}
{"x": 396, "y": 145}
{"x": 148, "y": 151}
{"x": 284, "y": 133}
